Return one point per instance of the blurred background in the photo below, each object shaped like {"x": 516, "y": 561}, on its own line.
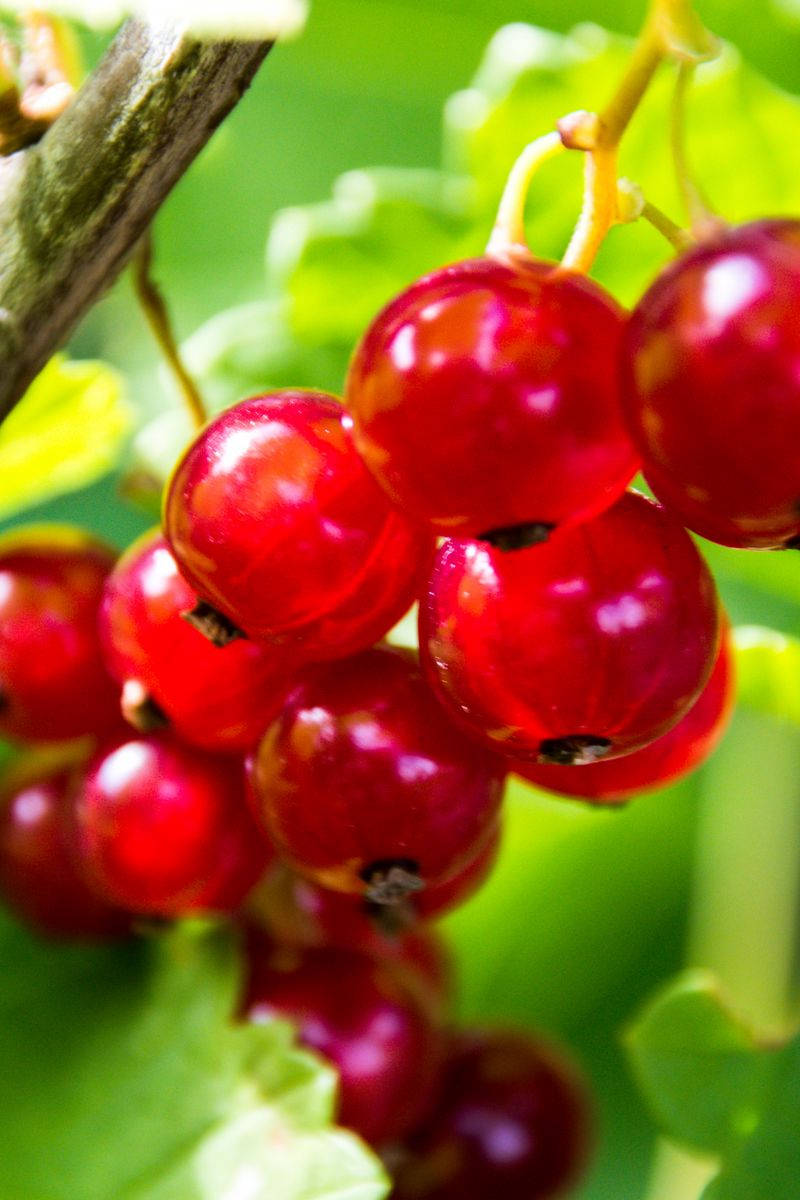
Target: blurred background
{"x": 588, "y": 911}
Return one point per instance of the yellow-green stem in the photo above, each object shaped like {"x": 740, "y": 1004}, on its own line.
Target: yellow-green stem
{"x": 508, "y": 234}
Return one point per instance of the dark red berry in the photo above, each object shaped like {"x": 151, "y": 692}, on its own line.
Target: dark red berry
{"x": 297, "y": 912}
{"x": 711, "y": 361}
{"x": 511, "y": 1121}
{"x": 366, "y": 786}
{"x": 39, "y": 880}
{"x": 590, "y": 646}
{"x": 687, "y": 745}
{"x": 242, "y": 856}
{"x": 276, "y": 523}
{"x": 53, "y": 683}
{"x": 485, "y": 399}
{"x": 153, "y": 821}
{"x": 359, "y": 1014}
{"x": 218, "y": 698}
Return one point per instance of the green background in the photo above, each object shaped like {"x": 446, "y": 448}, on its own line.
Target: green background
{"x": 588, "y": 911}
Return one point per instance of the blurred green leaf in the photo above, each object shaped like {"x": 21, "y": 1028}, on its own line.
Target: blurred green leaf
{"x": 767, "y": 1166}
{"x": 699, "y": 1066}
{"x": 131, "y": 1082}
{"x": 66, "y": 432}
{"x": 713, "y": 1087}
{"x": 338, "y": 262}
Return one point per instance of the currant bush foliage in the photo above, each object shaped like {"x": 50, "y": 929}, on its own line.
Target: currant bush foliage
{"x": 713, "y": 1087}
{"x": 129, "y": 1059}
{"x": 67, "y": 431}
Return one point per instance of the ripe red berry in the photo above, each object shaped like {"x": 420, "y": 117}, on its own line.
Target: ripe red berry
{"x": 590, "y": 646}
{"x": 154, "y": 822}
{"x": 712, "y": 385}
{"x": 53, "y": 683}
{"x": 39, "y": 880}
{"x": 358, "y": 1013}
{"x": 485, "y": 398}
{"x": 277, "y": 524}
{"x": 297, "y": 912}
{"x": 686, "y": 746}
{"x": 511, "y": 1121}
{"x": 366, "y": 786}
{"x": 218, "y": 698}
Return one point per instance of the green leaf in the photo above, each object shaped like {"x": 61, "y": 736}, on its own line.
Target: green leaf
{"x": 66, "y": 432}
{"x": 698, "y": 1066}
{"x": 714, "y": 1088}
{"x": 338, "y": 262}
{"x": 767, "y": 1166}
{"x": 126, "y": 1079}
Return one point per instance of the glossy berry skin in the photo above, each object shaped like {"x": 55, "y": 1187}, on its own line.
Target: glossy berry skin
{"x": 363, "y": 771}
{"x": 276, "y": 523}
{"x": 39, "y": 881}
{"x": 684, "y": 748}
{"x": 53, "y": 682}
{"x": 591, "y": 645}
{"x": 358, "y": 1014}
{"x": 511, "y": 1121}
{"x": 217, "y": 698}
{"x": 152, "y": 823}
{"x": 486, "y": 396}
{"x": 711, "y": 372}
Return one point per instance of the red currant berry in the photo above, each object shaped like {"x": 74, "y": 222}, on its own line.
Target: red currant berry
{"x": 221, "y": 699}
{"x": 152, "y": 823}
{"x": 511, "y": 1121}
{"x": 277, "y": 524}
{"x": 366, "y": 786}
{"x": 38, "y": 878}
{"x": 485, "y": 399}
{"x": 53, "y": 684}
{"x": 358, "y": 1013}
{"x": 687, "y": 745}
{"x": 243, "y": 856}
{"x": 297, "y": 912}
{"x": 712, "y": 385}
{"x": 590, "y": 646}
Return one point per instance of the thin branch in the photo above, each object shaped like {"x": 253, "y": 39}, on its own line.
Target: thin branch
{"x": 73, "y": 207}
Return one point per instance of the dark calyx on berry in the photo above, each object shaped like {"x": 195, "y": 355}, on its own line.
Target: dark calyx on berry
{"x": 572, "y": 751}
{"x": 518, "y": 537}
{"x": 214, "y": 625}
{"x": 391, "y": 881}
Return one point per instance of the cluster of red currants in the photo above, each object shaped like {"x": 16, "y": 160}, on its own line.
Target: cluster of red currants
{"x": 569, "y": 631}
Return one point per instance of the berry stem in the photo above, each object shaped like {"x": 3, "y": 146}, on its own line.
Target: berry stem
{"x": 702, "y": 218}
{"x": 677, "y": 237}
{"x": 671, "y": 28}
{"x": 508, "y": 234}
{"x": 157, "y": 316}
{"x": 631, "y": 205}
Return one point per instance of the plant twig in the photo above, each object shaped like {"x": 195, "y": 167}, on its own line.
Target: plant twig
{"x": 73, "y": 207}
